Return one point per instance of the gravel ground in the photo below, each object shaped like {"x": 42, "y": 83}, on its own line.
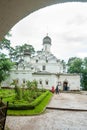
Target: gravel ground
{"x": 51, "y": 120}
{"x": 54, "y": 119}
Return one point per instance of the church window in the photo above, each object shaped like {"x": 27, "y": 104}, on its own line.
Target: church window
{"x": 47, "y": 61}
{"x": 46, "y": 82}
{"x": 43, "y": 67}
{"x": 32, "y": 68}
{"x": 40, "y": 82}
{"x": 23, "y": 80}
{"x": 57, "y": 60}
{"x": 36, "y": 61}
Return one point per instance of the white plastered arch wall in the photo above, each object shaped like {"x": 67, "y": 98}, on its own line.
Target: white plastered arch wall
{"x": 12, "y": 11}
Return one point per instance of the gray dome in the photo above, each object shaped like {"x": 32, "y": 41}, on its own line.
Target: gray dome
{"x": 27, "y": 52}
{"x": 47, "y": 40}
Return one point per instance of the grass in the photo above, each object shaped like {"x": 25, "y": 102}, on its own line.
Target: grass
{"x": 9, "y": 95}
{"x": 38, "y": 109}
{"x": 6, "y": 93}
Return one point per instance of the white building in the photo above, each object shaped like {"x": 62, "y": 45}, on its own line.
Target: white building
{"x": 45, "y": 68}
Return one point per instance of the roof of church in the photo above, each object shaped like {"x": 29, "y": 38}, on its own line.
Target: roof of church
{"x": 43, "y": 72}
{"x": 47, "y": 37}
{"x": 47, "y": 40}
{"x": 45, "y": 56}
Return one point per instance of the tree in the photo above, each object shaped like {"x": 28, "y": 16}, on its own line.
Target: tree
{"x": 84, "y": 74}
{"x": 84, "y": 79}
{"x": 85, "y": 62}
{"x": 5, "y": 66}
{"x": 5, "y": 63}
{"x": 5, "y": 43}
{"x": 17, "y": 52}
{"x": 75, "y": 65}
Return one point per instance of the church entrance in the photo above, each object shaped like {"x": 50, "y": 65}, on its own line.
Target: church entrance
{"x": 65, "y": 86}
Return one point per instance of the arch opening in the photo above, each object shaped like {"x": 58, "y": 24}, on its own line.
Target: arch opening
{"x": 11, "y": 12}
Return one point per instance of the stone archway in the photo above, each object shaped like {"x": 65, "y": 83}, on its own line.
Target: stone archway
{"x": 12, "y": 11}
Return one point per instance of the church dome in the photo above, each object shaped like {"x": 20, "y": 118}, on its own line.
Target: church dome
{"x": 27, "y": 52}
{"x": 47, "y": 40}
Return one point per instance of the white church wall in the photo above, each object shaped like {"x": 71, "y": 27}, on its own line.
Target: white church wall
{"x": 73, "y": 81}
{"x": 46, "y": 47}
{"x": 26, "y": 58}
{"x": 50, "y": 78}
{"x": 50, "y": 67}
{"x": 52, "y": 61}
{"x": 53, "y": 68}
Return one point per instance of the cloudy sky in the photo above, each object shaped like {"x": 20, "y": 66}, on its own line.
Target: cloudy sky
{"x": 66, "y": 24}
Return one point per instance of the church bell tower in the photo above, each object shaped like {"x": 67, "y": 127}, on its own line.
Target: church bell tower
{"x": 46, "y": 44}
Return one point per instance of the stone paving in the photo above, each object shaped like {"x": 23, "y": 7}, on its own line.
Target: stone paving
{"x": 69, "y": 101}
{"x": 54, "y": 119}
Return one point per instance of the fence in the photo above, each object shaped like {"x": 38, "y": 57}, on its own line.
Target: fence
{"x": 3, "y": 114}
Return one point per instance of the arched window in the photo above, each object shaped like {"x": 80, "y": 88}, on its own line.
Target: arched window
{"x": 36, "y": 61}
{"x": 43, "y": 67}
{"x": 23, "y": 80}
{"x": 46, "y": 61}
{"x": 46, "y": 82}
{"x": 40, "y": 82}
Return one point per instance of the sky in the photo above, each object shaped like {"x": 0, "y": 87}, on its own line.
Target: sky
{"x": 65, "y": 24}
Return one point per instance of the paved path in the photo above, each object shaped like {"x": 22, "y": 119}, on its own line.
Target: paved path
{"x": 54, "y": 119}
{"x": 69, "y": 101}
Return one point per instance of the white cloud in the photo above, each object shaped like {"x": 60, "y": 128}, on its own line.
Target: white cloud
{"x": 82, "y": 54}
{"x": 66, "y": 24}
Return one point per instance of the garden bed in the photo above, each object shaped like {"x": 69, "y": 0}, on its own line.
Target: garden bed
{"x": 26, "y": 106}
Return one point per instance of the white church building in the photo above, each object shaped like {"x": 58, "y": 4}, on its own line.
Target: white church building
{"x": 45, "y": 68}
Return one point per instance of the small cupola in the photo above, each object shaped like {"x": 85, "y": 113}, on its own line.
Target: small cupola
{"x": 46, "y": 44}
{"x": 47, "y": 40}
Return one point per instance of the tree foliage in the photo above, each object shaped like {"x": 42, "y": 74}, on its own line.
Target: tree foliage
{"x": 17, "y": 52}
{"x": 5, "y": 66}
{"x": 84, "y": 74}
{"x": 5, "y": 43}
{"x": 5, "y": 63}
{"x": 77, "y": 65}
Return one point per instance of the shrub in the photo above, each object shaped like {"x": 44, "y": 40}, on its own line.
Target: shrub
{"x": 31, "y": 105}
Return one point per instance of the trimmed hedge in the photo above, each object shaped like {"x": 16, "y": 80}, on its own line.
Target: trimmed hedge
{"x": 39, "y": 109}
{"x": 28, "y": 106}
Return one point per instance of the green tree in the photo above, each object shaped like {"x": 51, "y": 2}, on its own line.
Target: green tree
{"x": 5, "y": 66}
{"x": 85, "y": 62}
{"x": 84, "y": 79}
{"x": 5, "y": 43}
{"x": 84, "y": 74}
{"x": 17, "y": 52}
{"x": 75, "y": 65}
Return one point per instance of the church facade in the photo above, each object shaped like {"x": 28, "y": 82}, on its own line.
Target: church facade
{"x": 45, "y": 68}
